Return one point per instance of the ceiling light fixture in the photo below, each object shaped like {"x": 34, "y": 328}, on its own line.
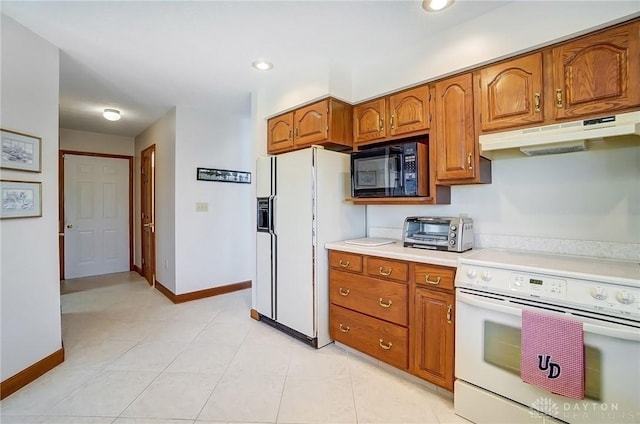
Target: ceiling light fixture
{"x": 436, "y": 5}
{"x": 111, "y": 114}
{"x": 262, "y": 65}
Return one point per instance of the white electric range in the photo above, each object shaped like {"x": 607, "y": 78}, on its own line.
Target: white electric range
{"x": 493, "y": 287}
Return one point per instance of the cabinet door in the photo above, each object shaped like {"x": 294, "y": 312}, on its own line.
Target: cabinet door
{"x": 409, "y": 111}
{"x": 455, "y": 131}
{"x": 433, "y": 336}
{"x": 511, "y": 93}
{"x": 368, "y": 121}
{"x": 311, "y": 125}
{"x": 280, "y": 133}
{"x": 598, "y": 73}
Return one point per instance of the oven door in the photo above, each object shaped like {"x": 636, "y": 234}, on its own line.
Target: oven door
{"x": 377, "y": 172}
{"x": 487, "y": 355}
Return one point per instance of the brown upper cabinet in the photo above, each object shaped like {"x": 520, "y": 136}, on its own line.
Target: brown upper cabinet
{"x": 401, "y": 114}
{"x": 327, "y": 122}
{"x": 280, "y": 133}
{"x": 456, "y": 143}
{"x": 511, "y": 93}
{"x": 597, "y": 73}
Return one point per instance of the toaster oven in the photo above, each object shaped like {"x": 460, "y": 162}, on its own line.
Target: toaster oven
{"x": 439, "y": 233}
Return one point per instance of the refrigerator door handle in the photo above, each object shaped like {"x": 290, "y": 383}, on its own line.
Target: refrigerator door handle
{"x": 272, "y": 215}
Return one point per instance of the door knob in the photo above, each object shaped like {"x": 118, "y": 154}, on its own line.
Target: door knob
{"x": 69, "y": 225}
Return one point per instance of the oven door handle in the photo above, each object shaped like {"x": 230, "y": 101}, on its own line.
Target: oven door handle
{"x": 617, "y": 331}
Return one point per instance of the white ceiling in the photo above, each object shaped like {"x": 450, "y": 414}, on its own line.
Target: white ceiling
{"x": 145, "y": 57}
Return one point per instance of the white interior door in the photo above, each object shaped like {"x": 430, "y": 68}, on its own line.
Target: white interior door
{"x": 96, "y": 205}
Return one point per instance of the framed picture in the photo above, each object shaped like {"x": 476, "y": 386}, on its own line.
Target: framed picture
{"x": 21, "y": 151}
{"x": 223, "y": 175}
{"x": 20, "y": 199}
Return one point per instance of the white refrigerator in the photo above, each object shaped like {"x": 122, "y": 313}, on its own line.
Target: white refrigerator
{"x": 301, "y": 205}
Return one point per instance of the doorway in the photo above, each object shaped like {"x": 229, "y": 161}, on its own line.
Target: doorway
{"x": 147, "y": 211}
{"x": 96, "y": 224}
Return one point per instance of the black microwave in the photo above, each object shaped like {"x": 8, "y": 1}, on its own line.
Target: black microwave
{"x": 399, "y": 170}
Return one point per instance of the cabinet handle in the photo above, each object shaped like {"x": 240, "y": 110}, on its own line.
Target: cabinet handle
{"x": 469, "y": 157}
{"x": 386, "y": 274}
{"x": 385, "y": 305}
{"x": 344, "y": 329}
{"x": 289, "y": 135}
{"x": 344, "y": 264}
{"x": 449, "y": 313}
{"x": 391, "y": 123}
{"x": 344, "y": 292}
{"x": 559, "y": 98}
{"x": 385, "y": 346}
{"x": 297, "y": 132}
{"x": 435, "y": 283}
{"x": 536, "y": 102}
{"x": 381, "y": 124}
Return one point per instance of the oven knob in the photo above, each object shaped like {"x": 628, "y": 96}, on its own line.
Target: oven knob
{"x": 452, "y": 235}
{"x": 471, "y": 273}
{"x": 625, "y": 297}
{"x": 453, "y": 228}
{"x": 486, "y": 276}
{"x": 599, "y": 293}
{"x": 452, "y": 242}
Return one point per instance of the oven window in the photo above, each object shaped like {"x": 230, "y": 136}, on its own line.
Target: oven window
{"x": 502, "y": 349}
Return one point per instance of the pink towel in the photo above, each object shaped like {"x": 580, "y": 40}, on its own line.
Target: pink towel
{"x": 552, "y": 356}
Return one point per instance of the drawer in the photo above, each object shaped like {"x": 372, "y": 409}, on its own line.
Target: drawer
{"x": 434, "y": 276}
{"x": 345, "y": 261}
{"x": 382, "y": 340}
{"x": 379, "y": 298}
{"x": 387, "y": 268}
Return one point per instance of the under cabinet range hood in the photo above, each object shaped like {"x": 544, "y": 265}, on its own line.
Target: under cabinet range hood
{"x": 564, "y": 137}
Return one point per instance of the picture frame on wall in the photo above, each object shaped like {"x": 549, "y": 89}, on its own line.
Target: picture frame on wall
{"x": 20, "y": 199}
{"x": 223, "y": 175}
{"x": 21, "y": 152}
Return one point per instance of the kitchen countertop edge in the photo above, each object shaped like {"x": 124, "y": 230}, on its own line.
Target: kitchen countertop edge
{"x": 396, "y": 250}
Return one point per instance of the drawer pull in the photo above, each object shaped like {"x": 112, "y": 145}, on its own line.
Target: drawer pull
{"x": 385, "y": 346}
{"x": 435, "y": 283}
{"x": 386, "y": 274}
{"x": 344, "y": 292}
{"x": 449, "y": 313}
{"x": 344, "y": 329}
{"x": 385, "y": 305}
{"x": 344, "y": 264}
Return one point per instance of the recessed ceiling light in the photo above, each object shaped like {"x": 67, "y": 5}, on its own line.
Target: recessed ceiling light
{"x": 262, "y": 65}
{"x": 111, "y": 114}
{"x": 436, "y": 5}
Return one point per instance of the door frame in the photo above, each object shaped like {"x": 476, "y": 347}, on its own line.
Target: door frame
{"x": 151, "y": 148}
{"x": 61, "y": 211}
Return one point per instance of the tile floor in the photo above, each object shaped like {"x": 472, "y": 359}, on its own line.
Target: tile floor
{"x": 133, "y": 357}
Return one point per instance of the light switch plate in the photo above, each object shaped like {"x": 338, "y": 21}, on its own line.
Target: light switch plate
{"x": 202, "y": 207}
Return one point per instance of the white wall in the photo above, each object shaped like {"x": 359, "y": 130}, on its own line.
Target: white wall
{"x": 212, "y": 248}
{"x": 162, "y": 133}
{"x": 30, "y": 286}
{"x": 85, "y": 141}
{"x": 517, "y": 27}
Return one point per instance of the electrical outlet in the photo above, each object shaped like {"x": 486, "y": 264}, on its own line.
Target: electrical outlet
{"x": 202, "y": 207}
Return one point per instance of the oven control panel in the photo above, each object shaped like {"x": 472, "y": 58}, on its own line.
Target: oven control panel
{"x": 538, "y": 286}
{"x": 605, "y": 298}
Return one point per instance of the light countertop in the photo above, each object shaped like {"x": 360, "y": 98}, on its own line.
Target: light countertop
{"x": 396, "y": 250}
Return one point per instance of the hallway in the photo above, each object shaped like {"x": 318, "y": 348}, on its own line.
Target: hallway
{"x": 134, "y": 357}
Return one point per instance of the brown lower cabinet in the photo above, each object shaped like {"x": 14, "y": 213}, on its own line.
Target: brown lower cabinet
{"x": 398, "y": 312}
{"x": 375, "y": 337}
